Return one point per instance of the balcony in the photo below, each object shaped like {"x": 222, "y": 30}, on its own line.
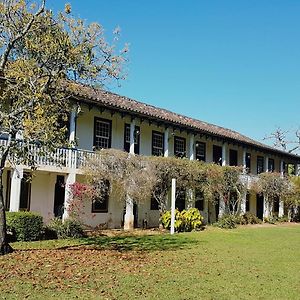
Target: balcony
{"x": 61, "y": 158}
{"x": 248, "y": 179}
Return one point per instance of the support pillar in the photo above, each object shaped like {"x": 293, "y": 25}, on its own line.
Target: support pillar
{"x": 281, "y": 168}
{"x": 72, "y": 128}
{"x": 267, "y": 164}
{"x": 297, "y": 169}
{"x": 192, "y": 147}
{"x": 243, "y": 204}
{"x": 221, "y": 207}
{"x": 244, "y": 161}
{"x": 129, "y": 216}
{"x": 132, "y": 129}
{"x": 15, "y": 188}
{"x": 281, "y": 208}
{"x": 267, "y": 208}
{"x": 166, "y": 143}
{"x": 224, "y": 154}
{"x": 71, "y": 178}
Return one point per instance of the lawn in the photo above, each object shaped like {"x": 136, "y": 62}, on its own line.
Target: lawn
{"x": 251, "y": 262}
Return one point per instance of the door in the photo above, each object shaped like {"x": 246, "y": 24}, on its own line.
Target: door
{"x": 59, "y": 196}
{"x": 259, "y": 206}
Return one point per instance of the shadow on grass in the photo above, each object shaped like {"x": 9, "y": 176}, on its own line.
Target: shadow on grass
{"x": 128, "y": 243}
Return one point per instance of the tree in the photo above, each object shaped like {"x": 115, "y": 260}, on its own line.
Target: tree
{"x": 185, "y": 172}
{"x": 127, "y": 176}
{"x": 43, "y": 59}
{"x": 273, "y": 187}
{"x": 281, "y": 140}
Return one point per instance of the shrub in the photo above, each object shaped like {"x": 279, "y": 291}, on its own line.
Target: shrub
{"x": 68, "y": 229}
{"x": 187, "y": 220}
{"x": 25, "y": 226}
{"x": 249, "y": 218}
{"x": 227, "y": 222}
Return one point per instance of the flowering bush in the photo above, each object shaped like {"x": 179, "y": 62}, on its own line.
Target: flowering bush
{"x": 187, "y": 220}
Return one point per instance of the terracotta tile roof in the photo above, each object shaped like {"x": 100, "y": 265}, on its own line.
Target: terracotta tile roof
{"x": 114, "y": 101}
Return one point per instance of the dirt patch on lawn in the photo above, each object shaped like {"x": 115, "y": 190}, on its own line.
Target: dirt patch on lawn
{"x": 284, "y": 224}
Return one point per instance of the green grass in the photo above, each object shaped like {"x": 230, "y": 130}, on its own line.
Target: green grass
{"x": 245, "y": 263}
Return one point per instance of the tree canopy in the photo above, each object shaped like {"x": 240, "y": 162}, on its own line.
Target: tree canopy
{"x": 43, "y": 59}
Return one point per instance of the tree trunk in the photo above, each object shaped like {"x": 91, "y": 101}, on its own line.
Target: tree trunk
{"x": 5, "y": 248}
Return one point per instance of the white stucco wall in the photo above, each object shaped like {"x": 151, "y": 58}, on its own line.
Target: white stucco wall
{"x": 42, "y": 194}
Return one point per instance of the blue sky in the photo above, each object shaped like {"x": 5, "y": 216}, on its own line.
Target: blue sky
{"x": 232, "y": 63}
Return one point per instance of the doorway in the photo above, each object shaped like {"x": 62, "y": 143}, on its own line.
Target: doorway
{"x": 259, "y": 206}
{"x": 59, "y": 196}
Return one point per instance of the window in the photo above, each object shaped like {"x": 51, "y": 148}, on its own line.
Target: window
{"x": 136, "y": 139}
{"x": 25, "y": 193}
{"x": 217, "y": 154}
{"x": 154, "y": 204}
{"x": 248, "y": 162}
{"x": 157, "y": 143}
{"x": 200, "y": 151}
{"x": 179, "y": 146}
{"x": 271, "y": 165}
{"x": 247, "y": 202}
{"x": 180, "y": 200}
{"x": 102, "y": 133}
{"x": 199, "y": 203}
{"x": 233, "y": 157}
{"x": 100, "y": 204}
{"x": 260, "y": 164}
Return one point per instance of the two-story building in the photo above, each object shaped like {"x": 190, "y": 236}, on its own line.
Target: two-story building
{"x": 102, "y": 119}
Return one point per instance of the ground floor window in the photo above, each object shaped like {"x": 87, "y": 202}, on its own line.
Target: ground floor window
{"x": 154, "y": 204}
{"x": 276, "y": 205}
{"x": 100, "y": 203}
{"x": 199, "y": 200}
{"x": 247, "y": 202}
{"x": 180, "y": 200}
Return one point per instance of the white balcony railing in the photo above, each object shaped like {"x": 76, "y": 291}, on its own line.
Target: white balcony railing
{"x": 62, "y": 157}
{"x": 248, "y": 179}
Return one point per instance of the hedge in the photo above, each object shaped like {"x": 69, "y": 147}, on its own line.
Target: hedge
{"x": 25, "y": 226}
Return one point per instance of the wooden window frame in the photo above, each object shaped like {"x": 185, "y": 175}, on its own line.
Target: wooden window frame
{"x": 155, "y": 147}
{"x": 231, "y": 151}
{"x": 136, "y": 139}
{"x": 198, "y": 156}
{"x": 260, "y": 158}
{"x": 179, "y": 154}
{"x": 97, "y": 119}
{"x": 273, "y": 161}
{"x": 106, "y": 200}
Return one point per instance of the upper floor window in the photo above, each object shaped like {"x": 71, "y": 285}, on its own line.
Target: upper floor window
{"x": 217, "y": 154}
{"x": 248, "y": 162}
{"x": 179, "y": 146}
{"x": 260, "y": 164}
{"x": 102, "y": 133}
{"x": 136, "y": 139}
{"x": 157, "y": 143}
{"x": 233, "y": 157}
{"x": 271, "y": 165}
{"x": 200, "y": 151}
